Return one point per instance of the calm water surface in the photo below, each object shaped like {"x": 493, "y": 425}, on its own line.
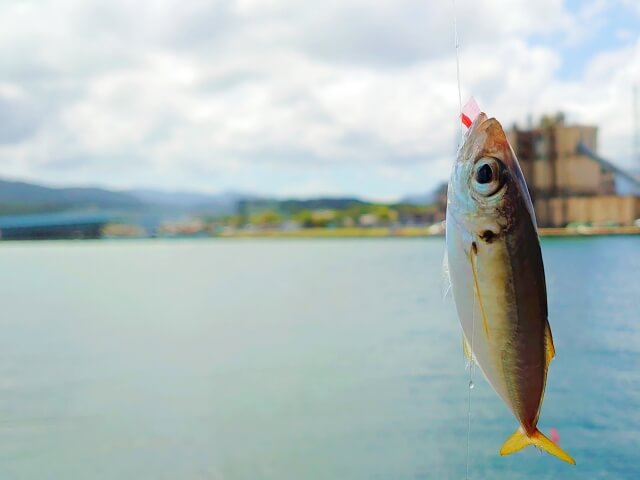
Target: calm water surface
{"x": 332, "y": 359}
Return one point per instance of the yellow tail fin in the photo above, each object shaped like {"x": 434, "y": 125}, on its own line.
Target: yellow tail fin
{"x": 519, "y": 440}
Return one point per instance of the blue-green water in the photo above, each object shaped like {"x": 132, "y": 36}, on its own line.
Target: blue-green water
{"x": 332, "y": 359}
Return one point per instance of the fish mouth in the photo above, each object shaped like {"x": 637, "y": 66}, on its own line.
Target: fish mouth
{"x": 484, "y": 123}
{"x": 475, "y": 137}
{"x": 487, "y": 135}
{"x": 480, "y": 119}
{"x": 477, "y": 127}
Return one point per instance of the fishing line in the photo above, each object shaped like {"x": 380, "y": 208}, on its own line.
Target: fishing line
{"x": 457, "y": 46}
{"x": 472, "y": 252}
{"x": 472, "y": 257}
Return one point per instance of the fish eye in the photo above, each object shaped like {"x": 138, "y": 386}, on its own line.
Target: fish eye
{"x": 487, "y": 178}
{"x": 484, "y": 174}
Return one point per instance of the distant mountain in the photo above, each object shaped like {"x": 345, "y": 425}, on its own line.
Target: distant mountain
{"x": 22, "y": 197}
{"x": 202, "y": 202}
{"x": 293, "y": 205}
{"x": 179, "y": 199}
{"x": 27, "y": 194}
{"x": 419, "y": 198}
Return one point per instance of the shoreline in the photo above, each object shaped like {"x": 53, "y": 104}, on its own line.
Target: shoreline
{"x": 434, "y": 231}
{"x": 418, "y": 232}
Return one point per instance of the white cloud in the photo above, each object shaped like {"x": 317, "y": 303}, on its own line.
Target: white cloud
{"x": 238, "y": 94}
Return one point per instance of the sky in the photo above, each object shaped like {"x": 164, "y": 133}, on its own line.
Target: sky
{"x": 296, "y": 98}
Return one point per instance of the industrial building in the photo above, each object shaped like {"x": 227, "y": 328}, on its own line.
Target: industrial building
{"x": 568, "y": 182}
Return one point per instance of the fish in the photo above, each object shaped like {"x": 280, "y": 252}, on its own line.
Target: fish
{"x": 496, "y": 274}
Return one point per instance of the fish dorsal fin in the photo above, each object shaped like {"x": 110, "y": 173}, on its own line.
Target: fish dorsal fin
{"x": 445, "y": 277}
{"x": 550, "y": 350}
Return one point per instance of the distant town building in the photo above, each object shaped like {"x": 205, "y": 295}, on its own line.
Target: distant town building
{"x": 368, "y": 220}
{"x": 184, "y": 227}
{"x": 568, "y": 182}
{"x": 123, "y": 230}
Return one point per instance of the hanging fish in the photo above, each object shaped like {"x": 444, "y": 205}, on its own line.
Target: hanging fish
{"x": 497, "y": 278}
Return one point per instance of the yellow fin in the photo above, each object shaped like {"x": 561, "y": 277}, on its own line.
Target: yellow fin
{"x": 466, "y": 349}
{"x": 548, "y": 344}
{"x": 519, "y": 440}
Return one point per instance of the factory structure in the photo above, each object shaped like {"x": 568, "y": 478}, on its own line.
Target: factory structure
{"x": 569, "y": 183}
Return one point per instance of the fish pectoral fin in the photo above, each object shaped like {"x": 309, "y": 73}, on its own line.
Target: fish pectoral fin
{"x": 520, "y": 439}
{"x": 548, "y": 344}
{"x": 445, "y": 277}
{"x": 466, "y": 349}
{"x": 478, "y": 296}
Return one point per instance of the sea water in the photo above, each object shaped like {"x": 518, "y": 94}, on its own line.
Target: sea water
{"x": 307, "y": 359}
